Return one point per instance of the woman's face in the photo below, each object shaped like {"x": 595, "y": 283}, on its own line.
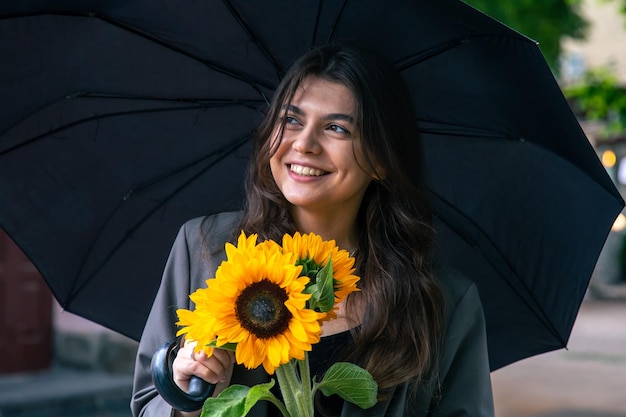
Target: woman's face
{"x": 316, "y": 165}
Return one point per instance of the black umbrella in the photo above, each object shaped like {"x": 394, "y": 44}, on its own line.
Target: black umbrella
{"x": 122, "y": 119}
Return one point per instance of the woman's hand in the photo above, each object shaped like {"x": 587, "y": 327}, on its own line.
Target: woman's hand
{"x": 217, "y": 369}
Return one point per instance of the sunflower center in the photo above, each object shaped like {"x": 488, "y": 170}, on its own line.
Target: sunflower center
{"x": 260, "y": 308}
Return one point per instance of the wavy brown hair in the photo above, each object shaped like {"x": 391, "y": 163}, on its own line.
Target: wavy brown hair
{"x": 400, "y": 335}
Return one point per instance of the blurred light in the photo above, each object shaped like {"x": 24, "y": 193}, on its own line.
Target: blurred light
{"x": 619, "y": 224}
{"x": 608, "y": 159}
{"x": 621, "y": 171}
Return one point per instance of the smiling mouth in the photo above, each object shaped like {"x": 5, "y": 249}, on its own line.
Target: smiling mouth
{"x": 306, "y": 171}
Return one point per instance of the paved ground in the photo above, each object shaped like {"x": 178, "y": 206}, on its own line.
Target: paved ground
{"x": 587, "y": 380}
{"x": 65, "y": 392}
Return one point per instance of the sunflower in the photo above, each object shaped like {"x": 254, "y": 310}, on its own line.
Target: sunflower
{"x": 257, "y": 302}
{"x": 198, "y": 324}
{"x": 314, "y": 253}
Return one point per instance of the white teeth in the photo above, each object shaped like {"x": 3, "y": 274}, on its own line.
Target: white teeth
{"x": 306, "y": 171}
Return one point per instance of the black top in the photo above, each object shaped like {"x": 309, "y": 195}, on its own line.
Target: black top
{"x": 323, "y": 355}
{"x": 326, "y": 352}
{"x": 197, "y": 253}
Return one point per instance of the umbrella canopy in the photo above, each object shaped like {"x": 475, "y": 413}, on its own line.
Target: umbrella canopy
{"x": 122, "y": 119}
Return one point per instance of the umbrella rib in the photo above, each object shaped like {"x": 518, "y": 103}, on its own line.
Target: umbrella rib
{"x": 280, "y": 72}
{"x": 412, "y": 60}
{"x": 221, "y": 69}
{"x": 200, "y": 102}
{"x": 464, "y": 131}
{"x": 331, "y": 33}
{"x": 470, "y": 131}
{"x": 316, "y": 25}
{"x": 199, "y": 105}
{"x": 254, "y": 83}
{"x": 539, "y": 312}
{"x": 216, "y": 156}
{"x": 100, "y": 94}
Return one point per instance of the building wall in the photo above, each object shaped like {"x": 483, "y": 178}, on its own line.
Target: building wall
{"x": 605, "y": 44}
{"x": 81, "y": 343}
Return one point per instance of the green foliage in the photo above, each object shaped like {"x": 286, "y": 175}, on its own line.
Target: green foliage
{"x": 237, "y": 400}
{"x": 350, "y": 382}
{"x": 599, "y": 97}
{"x": 622, "y": 7}
{"x": 227, "y": 346}
{"x": 544, "y": 21}
{"x": 230, "y": 403}
{"x": 321, "y": 287}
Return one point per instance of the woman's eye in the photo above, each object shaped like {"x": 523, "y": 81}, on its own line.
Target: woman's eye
{"x": 339, "y": 129}
{"x": 288, "y": 122}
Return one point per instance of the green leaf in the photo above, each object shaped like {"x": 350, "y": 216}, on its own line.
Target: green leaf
{"x": 258, "y": 393}
{"x": 227, "y": 346}
{"x": 351, "y": 382}
{"x": 237, "y": 400}
{"x": 322, "y": 290}
{"x": 309, "y": 268}
{"x": 230, "y": 403}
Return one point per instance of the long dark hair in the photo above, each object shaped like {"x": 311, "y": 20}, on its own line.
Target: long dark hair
{"x": 399, "y": 337}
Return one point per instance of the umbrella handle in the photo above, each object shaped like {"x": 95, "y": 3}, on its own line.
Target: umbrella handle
{"x": 199, "y": 390}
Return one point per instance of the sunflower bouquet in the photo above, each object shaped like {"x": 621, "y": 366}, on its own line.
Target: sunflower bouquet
{"x": 267, "y": 303}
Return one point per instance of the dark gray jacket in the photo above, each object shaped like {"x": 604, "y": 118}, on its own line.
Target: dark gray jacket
{"x": 463, "y": 387}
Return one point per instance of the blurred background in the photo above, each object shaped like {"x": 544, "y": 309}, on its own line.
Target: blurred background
{"x": 584, "y": 41}
{"x": 53, "y": 363}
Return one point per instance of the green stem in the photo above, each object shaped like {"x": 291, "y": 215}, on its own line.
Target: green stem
{"x": 287, "y": 380}
{"x": 291, "y": 389}
{"x": 305, "y": 377}
{"x": 281, "y": 407}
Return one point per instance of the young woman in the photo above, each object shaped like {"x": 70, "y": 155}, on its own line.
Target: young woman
{"x": 338, "y": 154}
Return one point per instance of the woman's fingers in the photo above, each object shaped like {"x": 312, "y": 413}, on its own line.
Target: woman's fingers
{"x": 225, "y": 358}
{"x": 214, "y": 369}
{"x": 210, "y": 369}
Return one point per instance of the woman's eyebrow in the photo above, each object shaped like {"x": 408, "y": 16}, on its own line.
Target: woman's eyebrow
{"x": 331, "y": 116}
{"x": 339, "y": 116}
{"x": 293, "y": 109}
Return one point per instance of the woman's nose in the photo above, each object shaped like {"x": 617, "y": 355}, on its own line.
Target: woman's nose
{"x": 307, "y": 141}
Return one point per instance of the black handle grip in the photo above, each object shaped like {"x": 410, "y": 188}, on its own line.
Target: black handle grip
{"x": 199, "y": 390}
{"x": 198, "y": 386}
